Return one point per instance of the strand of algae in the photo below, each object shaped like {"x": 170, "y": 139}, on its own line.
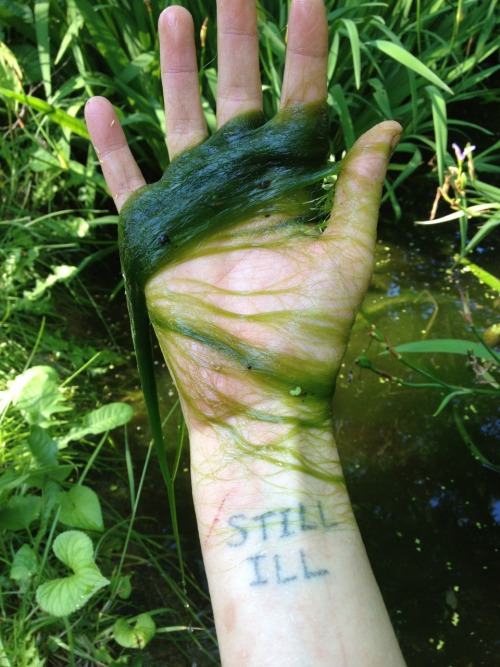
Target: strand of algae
{"x": 246, "y": 170}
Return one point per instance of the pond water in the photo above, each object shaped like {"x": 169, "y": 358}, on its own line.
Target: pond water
{"x": 429, "y": 512}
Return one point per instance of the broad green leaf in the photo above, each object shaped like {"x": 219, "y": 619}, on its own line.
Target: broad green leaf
{"x": 19, "y": 512}
{"x": 137, "y": 635}
{"x": 80, "y": 508}
{"x": 24, "y": 563}
{"x": 446, "y": 346}
{"x": 61, "y": 597}
{"x": 408, "y": 60}
{"x": 101, "y": 420}
{"x": 42, "y": 447}
{"x": 36, "y": 394}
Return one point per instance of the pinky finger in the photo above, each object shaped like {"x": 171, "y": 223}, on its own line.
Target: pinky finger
{"x": 120, "y": 170}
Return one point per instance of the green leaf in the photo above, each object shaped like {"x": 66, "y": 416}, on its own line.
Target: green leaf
{"x": 481, "y": 274}
{"x": 446, "y": 346}
{"x": 61, "y": 273}
{"x": 137, "y": 635}
{"x": 42, "y": 447}
{"x": 36, "y": 394}
{"x": 101, "y": 420}
{"x": 124, "y": 587}
{"x": 483, "y": 231}
{"x": 341, "y": 107}
{"x": 61, "y": 597}
{"x": 353, "y": 35}
{"x": 405, "y": 58}
{"x": 19, "y": 512}
{"x": 10, "y": 71}
{"x": 439, "y": 118}
{"x": 42, "y": 35}
{"x": 24, "y": 564}
{"x": 80, "y": 508}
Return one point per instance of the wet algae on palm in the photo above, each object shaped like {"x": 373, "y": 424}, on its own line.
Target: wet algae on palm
{"x": 248, "y": 169}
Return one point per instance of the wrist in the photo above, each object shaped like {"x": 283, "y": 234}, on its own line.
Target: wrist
{"x": 293, "y": 473}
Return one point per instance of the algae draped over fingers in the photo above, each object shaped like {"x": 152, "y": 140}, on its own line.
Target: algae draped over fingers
{"x": 248, "y": 169}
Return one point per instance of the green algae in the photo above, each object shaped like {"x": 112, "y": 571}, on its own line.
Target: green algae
{"x": 248, "y": 169}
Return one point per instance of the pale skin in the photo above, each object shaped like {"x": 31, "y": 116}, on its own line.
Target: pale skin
{"x": 289, "y": 578}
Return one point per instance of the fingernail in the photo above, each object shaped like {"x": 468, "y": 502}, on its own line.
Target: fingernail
{"x": 395, "y": 141}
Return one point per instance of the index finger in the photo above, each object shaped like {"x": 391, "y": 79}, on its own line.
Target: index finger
{"x": 120, "y": 170}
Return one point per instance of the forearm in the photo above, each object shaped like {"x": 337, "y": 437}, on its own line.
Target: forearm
{"x": 289, "y": 578}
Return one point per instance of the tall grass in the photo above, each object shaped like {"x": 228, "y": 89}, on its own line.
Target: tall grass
{"x": 412, "y": 61}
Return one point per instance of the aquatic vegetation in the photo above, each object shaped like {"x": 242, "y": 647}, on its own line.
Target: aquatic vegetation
{"x": 247, "y": 171}
{"x": 273, "y": 167}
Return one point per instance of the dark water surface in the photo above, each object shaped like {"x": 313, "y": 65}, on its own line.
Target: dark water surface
{"x": 428, "y": 511}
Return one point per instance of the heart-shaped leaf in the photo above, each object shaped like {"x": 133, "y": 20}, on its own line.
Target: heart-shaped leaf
{"x": 137, "y": 635}
{"x": 61, "y": 597}
{"x": 80, "y": 508}
{"x": 19, "y": 512}
{"x": 24, "y": 564}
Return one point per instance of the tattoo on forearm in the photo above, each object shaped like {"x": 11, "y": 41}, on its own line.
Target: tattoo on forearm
{"x": 269, "y": 532}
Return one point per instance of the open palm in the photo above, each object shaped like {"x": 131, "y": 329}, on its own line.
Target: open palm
{"x": 256, "y": 319}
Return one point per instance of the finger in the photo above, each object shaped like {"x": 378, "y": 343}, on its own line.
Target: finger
{"x": 120, "y": 170}
{"x": 353, "y": 222}
{"x": 306, "y": 53}
{"x": 185, "y": 121}
{"x": 238, "y": 88}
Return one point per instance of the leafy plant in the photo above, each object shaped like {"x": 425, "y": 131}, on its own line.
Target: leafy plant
{"x": 60, "y": 556}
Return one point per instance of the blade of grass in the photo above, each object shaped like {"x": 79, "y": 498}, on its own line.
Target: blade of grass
{"x": 43, "y": 44}
{"x": 352, "y": 33}
{"x": 340, "y": 105}
{"x": 402, "y": 56}
{"x": 59, "y": 116}
{"x": 439, "y": 117}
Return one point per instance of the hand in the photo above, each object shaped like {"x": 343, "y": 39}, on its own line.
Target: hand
{"x": 276, "y": 311}
{"x": 253, "y": 321}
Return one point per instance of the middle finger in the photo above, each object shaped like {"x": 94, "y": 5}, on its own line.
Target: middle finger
{"x": 239, "y": 87}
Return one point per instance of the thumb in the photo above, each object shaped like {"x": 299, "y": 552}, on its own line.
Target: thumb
{"x": 353, "y": 221}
